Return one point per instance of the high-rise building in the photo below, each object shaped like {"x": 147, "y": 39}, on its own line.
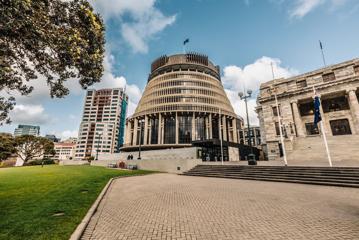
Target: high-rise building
{"x": 52, "y": 138}
{"x": 184, "y": 105}
{"x": 102, "y": 126}
{"x": 27, "y": 130}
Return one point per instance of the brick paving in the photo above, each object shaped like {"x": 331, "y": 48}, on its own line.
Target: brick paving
{"x": 167, "y": 206}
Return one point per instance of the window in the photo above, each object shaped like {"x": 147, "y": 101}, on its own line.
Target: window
{"x": 340, "y": 127}
{"x": 306, "y": 109}
{"x": 154, "y": 130}
{"x": 328, "y": 77}
{"x": 200, "y": 129}
{"x": 356, "y": 70}
{"x": 185, "y": 129}
{"x": 277, "y": 131}
{"x": 335, "y": 104}
{"x": 301, "y": 84}
{"x": 274, "y": 109}
{"x": 311, "y": 129}
{"x": 170, "y": 130}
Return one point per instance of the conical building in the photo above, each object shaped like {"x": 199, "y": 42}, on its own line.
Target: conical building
{"x": 183, "y": 105}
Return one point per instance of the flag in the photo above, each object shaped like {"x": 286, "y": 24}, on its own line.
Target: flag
{"x": 317, "y": 116}
{"x": 321, "y": 45}
{"x": 186, "y": 41}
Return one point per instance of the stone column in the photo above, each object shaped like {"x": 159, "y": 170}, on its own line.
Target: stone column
{"x": 135, "y": 126}
{"x": 354, "y": 107}
{"x": 149, "y": 132}
{"x": 193, "y": 127}
{"x": 234, "y": 130}
{"x": 224, "y": 128}
{"x": 128, "y": 133}
{"x": 177, "y": 128}
{"x": 145, "y": 131}
{"x": 159, "y": 128}
{"x": 297, "y": 119}
{"x": 210, "y": 126}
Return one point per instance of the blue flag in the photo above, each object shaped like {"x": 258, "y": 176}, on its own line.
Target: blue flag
{"x": 317, "y": 116}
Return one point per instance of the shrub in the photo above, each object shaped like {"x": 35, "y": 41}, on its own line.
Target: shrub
{"x": 39, "y": 162}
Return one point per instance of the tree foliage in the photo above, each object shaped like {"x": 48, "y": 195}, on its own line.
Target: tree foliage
{"x": 56, "y": 39}
{"x": 29, "y": 147}
{"x": 7, "y": 146}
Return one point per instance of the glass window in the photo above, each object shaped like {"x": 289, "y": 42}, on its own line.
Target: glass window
{"x": 340, "y": 127}
{"x": 154, "y": 130}
{"x": 170, "y": 130}
{"x": 311, "y": 129}
{"x": 215, "y": 130}
{"x": 274, "y": 109}
{"x": 185, "y": 129}
{"x": 306, "y": 109}
{"x": 335, "y": 104}
{"x": 277, "y": 128}
{"x": 200, "y": 128}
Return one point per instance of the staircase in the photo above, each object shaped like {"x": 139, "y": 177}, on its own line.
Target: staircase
{"x": 311, "y": 149}
{"x": 329, "y": 176}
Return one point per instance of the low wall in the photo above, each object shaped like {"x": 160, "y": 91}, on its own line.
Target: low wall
{"x": 73, "y": 162}
{"x": 162, "y": 165}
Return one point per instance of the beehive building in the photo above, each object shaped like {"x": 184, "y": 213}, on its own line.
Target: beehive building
{"x": 183, "y": 105}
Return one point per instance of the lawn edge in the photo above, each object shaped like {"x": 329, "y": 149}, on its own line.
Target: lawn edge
{"x": 81, "y": 227}
{"x": 85, "y": 221}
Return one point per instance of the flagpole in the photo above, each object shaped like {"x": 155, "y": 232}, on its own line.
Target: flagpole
{"x": 324, "y": 135}
{"x": 321, "y": 49}
{"x": 279, "y": 122}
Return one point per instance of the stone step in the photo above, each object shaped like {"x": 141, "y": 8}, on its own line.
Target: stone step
{"x": 325, "y": 183}
{"x": 302, "y": 177}
{"x": 332, "y": 176}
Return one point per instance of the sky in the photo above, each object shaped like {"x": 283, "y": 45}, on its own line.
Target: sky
{"x": 243, "y": 37}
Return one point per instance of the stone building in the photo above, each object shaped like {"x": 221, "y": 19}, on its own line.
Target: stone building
{"x": 337, "y": 86}
{"x": 184, "y": 105}
{"x": 254, "y": 136}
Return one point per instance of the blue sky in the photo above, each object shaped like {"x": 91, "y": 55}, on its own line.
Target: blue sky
{"x": 242, "y": 36}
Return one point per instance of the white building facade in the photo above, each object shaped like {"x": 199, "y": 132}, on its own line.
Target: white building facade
{"x": 102, "y": 126}
{"x": 64, "y": 151}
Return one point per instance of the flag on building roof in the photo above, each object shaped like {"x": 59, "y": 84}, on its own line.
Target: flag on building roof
{"x": 317, "y": 116}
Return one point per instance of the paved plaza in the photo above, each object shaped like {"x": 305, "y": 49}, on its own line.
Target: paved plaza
{"x": 168, "y": 206}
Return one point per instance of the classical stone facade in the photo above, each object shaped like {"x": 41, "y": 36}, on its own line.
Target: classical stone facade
{"x": 337, "y": 86}
{"x": 184, "y": 104}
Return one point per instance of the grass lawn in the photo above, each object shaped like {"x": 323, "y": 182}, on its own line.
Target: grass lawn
{"x": 30, "y": 196}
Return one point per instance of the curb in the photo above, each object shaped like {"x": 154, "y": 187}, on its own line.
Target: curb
{"x": 80, "y": 229}
{"x": 85, "y": 221}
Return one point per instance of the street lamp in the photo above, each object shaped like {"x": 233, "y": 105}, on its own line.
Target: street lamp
{"x": 139, "y": 147}
{"x": 98, "y": 143}
{"x": 245, "y": 98}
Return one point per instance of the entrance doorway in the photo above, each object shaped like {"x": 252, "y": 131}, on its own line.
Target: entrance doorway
{"x": 340, "y": 127}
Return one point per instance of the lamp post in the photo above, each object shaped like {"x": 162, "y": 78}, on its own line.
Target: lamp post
{"x": 245, "y": 98}
{"x": 139, "y": 147}
{"x": 98, "y": 144}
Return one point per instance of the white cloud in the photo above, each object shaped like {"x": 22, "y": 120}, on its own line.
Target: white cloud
{"x": 67, "y": 134}
{"x": 237, "y": 79}
{"x": 303, "y": 7}
{"x": 140, "y": 20}
{"x": 29, "y": 114}
{"x": 109, "y": 80}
